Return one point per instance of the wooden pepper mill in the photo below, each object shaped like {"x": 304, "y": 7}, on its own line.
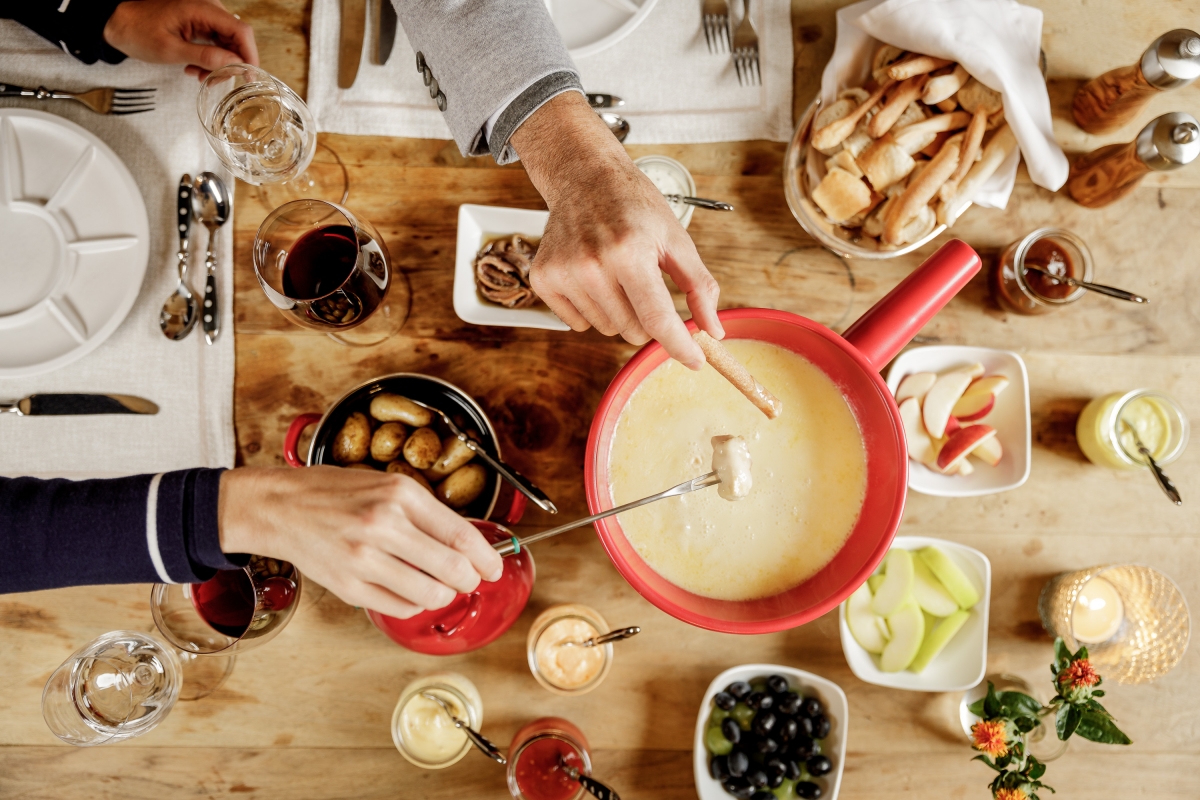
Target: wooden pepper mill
{"x": 1115, "y": 98}
{"x": 1112, "y": 171}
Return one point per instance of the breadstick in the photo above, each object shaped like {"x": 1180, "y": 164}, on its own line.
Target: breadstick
{"x": 919, "y": 131}
{"x": 943, "y": 87}
{"x": 921, "y": 190}
{"x": 907, "y": 92}
{"x": 835, "y": 132}
{"x": 736, "y": 373}
{"x": 995, "y": 153}
{"x": 917, "y": 65}
{"x": 970, "y": 147}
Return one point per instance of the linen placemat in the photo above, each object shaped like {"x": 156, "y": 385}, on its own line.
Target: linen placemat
{"x": 191, "y": 382}
{"x": 675, "y": 91}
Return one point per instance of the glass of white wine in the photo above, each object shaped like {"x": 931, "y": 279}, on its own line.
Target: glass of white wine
{"x": 264, "y": 134}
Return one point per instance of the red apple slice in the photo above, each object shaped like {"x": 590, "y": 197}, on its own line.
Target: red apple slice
{"x": 940, "y": 400}
{"x": 935, "y": 448}
{"x": 960, "y": 445}
{"x": 974, "y": 370}
{"x": 915, "y": 385}
{"x": 952, "y": 425}
{"x": 971, "y": 407}
{"x": 989, "y": 451}
{"x": 992, "y": 384}
{"x": 919, "y": 446}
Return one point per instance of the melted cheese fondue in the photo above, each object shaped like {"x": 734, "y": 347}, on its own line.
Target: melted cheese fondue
{"x": 809, "y": 475}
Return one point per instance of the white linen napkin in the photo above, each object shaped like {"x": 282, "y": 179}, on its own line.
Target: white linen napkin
{"x": 191, "y": 382}
{"x": 997, "y": 41}
{"x": 674, "y": 89}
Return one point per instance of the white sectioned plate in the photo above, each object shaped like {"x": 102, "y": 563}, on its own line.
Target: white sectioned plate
{"x": 476, "y": 225}
{"x": 75, "y": 241}
{"x": 837, "y": 710}
{"x": 589, "y": 26}
{"x": 1010, "y": 418}
{"x": 963, "y": 661}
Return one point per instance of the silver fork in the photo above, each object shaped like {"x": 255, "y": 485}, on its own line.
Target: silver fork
{"x": 745, "y": 50}
{"x": 715, "y": 14}
{"x": 105, "y": 100}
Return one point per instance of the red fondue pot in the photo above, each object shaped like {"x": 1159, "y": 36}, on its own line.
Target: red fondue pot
{"x": 853, "y": 362}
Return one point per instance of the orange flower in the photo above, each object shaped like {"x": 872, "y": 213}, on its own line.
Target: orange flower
{"x": 1080, "y": 674}
{"x": 990, "y": 736}
{"x": 1010, "y": 794}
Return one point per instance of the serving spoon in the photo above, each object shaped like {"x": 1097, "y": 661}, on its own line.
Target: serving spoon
{"x": 699, "y": 202}
{"x": 1099, "y": 288}
{"x": 1164, "y": 482}
{"x": 478, "y": 739}
{"x": 513, "y": 545}
{"x": 593, "y": 786}
{"x": 605, "y": 638}
{"x": 210, "y": 205}
{"x": 178, "y": 315}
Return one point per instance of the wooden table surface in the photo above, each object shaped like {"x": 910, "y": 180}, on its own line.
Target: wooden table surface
{"x": 308, "y": 715}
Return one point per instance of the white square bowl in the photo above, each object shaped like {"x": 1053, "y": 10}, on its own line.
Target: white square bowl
{"x": 963, "y": 662}
{"x": 1010, "y": 418}
{"x": 477, "y": 224}
{"x": 837, "y": 710}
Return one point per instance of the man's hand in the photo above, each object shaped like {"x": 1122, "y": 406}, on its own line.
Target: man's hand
{"x": 375, "y": 539}
{"x": 167, "y": 32}
{"x": 610, "y": 235}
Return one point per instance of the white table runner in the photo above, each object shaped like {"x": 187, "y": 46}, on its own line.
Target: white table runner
{"x": 191, "y": 382}
{"x": 675, "y": 91}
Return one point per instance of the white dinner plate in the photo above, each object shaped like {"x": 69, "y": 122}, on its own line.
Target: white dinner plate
{"x": 74, "y": 241}
{"x": 589, "y": 26}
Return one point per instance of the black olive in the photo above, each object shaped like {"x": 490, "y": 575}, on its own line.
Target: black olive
{"x": 806, "y": 725}
{"x": 811, "y": 707}
{"x": 758, "y": 700}
{"x": 758, "y": 778}
{"x": 802, "y": 747}
{"x": 763, "y": 723}
{"x": 819, "y": 765}
{"x": 808, "y": 790}
{"x": 788, "y": 702}
{"x": 738, "y": 787}
{"x": 737, "y": 762}
{"x": 725, "y": 701}
{"x": 766, "y": 745}
{"x": 719, "y": 768}
{"x": 792, "y": 769}
{"x": 786, "y": 729}
{"x": 763, "y": 795}
{"x": 777, "y": 684}
{"x": 731, "y": 730}
{"x": 820, "y": 726}
{"x": 775, "y": 772}
{"x": 738, "y": 689}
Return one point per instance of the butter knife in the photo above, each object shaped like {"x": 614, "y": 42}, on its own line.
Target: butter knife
{"x": 385, "y": 30}
{"x": 60, "y": 405}
{"x": 350, "y": 41}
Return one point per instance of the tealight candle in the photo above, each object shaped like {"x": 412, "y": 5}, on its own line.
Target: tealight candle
{"x": 1098, "y": 612}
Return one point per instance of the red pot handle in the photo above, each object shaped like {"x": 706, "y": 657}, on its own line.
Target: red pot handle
{"x": 464, "y": 623}
{"x": 291, "y": 440}
{"x": 891, "y": 323}
{"x": 517, "y": 509}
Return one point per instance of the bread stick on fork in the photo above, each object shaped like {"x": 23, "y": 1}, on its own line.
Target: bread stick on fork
{"x": 736, "y": 373}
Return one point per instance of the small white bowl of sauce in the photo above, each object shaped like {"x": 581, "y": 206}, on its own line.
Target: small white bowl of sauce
{"x": 670, "y": 177}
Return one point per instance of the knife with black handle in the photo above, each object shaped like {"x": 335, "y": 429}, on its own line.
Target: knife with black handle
{"x": 61, "y": 405}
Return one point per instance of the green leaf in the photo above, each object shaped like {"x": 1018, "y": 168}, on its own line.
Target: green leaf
{"x": 1092, "y": 705}
{"x": 976, "y": 708}
{"x": 1025, "y": 724}
{"x": 1062, "y": 656}
{"x": 1036, "y": 768}
{"x": 1018, "y": 704}
{"x": 1098, "y": 693}
{"x": 1067, "y": 721}
{"x": 991, "y": 703}
{"x": 1081, "y": 655}
{"x": 1101, "y": 728}
{"x": 988, "y": 761}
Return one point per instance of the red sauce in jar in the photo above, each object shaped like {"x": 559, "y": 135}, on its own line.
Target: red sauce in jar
{"x": 1047, "y": 255}
{"x": 539, "y": 775}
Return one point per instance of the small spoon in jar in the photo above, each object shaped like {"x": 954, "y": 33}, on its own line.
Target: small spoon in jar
{"x": 593, "y": 786}
{"x": 1099, "y": 288}
{"x": 479, "y": 740}
{"x": 605, "y": 638}
{"x": 699, "y": 202}
{"x": 1163, "y": 481}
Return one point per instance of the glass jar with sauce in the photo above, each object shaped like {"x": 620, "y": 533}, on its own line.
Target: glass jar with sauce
{"x": 564, "y": 668}
{"x": 1159, "y": 421}
{"x": 670, "y": 177}
{"x": 1058, "y": 252}
{"x": 421, "y": 729}
{"x": 533, "y": 760}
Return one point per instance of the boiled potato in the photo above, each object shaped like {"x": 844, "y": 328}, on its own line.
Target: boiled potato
{"x": 394, "y": 408}
{"x": 455, "y": 453}
{"x": 423, "y": 448}
{"x": 462, "y": 486}
{"x": 387, "y": 441}
{"x": 404, "y": 468}
{"x": 367, "y": 467}
{"x": 353, "y": 441}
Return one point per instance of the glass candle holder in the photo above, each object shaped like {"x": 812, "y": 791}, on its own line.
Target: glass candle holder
{"x": 1136, "y": 638}
{"x": 535, "y": 755}
{"x": 556, "y": 660}
{"x": 423, "y": 732}
{"x": 1056, "y": 251}
{"x": 1106, "y": 440}
{"x": 1042, "y": 742}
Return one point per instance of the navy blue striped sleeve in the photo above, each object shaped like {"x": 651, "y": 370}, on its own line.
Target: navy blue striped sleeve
{"x": 140, "y": 529}
{"x": 77, "y": 26}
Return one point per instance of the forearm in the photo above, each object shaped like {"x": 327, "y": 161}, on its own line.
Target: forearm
{"x": 76, "y": 26}
{"x": 140, "y": 529}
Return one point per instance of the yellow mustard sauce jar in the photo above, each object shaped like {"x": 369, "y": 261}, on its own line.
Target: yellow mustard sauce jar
{"x": 1106, "y": 427}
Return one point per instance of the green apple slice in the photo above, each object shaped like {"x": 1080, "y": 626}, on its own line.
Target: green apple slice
{"x": 861, "y": 621}
{"x": 929, "y": 593}
{"x": 907, "y": 624}
{"x": 874, "y": 581}
{"x": 897, "y": 583}
{"x": 884, "y": 631}
{"x": 938, "y": 638}
{"x": 954, "y": 579}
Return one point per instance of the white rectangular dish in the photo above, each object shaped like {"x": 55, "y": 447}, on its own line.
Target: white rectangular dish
{"x": 476, "y": 225}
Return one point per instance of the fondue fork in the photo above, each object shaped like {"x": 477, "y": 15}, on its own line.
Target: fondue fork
{"x": 1100, "y": 288}
{"x": 513, "y": 545}
{"x": 486, "y": 747}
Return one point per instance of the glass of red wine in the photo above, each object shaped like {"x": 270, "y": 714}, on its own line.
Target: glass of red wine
{"x": 327, "y": 269}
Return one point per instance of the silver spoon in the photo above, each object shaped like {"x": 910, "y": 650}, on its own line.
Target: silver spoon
{"x": 178, "y": 315}
{"x": 210, "y": 205}
{"x": 479, "y": 740}
{"x": 616, "y": 123}
{"x": 699, "y": 202}
{"x": 1099, "y": 288}
{"x": 1163, "y": 481}
{"x": 513, "y": 545}
{"x": 593, "y": 786}
{"x": 605, "y": 638}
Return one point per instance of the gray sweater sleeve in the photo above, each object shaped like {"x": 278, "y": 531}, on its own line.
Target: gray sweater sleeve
{"x": 483, "y": 54}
